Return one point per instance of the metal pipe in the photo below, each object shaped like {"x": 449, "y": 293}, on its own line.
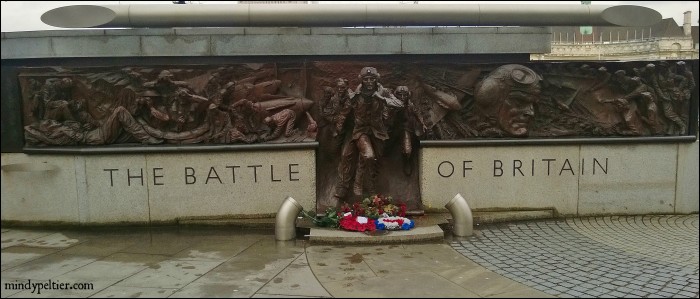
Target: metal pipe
{"x": 462, "y": 220}
{"x": 285, "y": 221}
{"x": 345, "y": 15}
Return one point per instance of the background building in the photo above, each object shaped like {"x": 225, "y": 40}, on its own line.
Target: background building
{"x": 664, "y": 40}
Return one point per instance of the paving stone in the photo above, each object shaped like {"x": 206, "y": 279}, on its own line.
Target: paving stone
{"x": 624, "y": 289}
{"x": 665, "y": 294}
{"x": 615, "y": 294}
{"x": 639, "y": 293}
{"x": 688, "y": 294}
{"x": 585, "y": 258}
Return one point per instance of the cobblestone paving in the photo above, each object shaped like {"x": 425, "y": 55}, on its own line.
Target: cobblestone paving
{"x": 645, "y": 256}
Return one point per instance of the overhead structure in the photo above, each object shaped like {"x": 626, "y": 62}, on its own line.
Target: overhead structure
{"x": 346, "y": 15}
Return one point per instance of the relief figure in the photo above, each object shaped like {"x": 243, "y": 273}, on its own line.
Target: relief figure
{"x": 368, "y": 111}
{"x": 504, "y": 101}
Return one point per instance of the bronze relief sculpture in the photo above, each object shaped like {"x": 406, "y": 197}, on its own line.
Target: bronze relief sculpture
{"x": 504, "y": 101}
{"x": 367, "y": 118}
{"x": 368, "y": 107}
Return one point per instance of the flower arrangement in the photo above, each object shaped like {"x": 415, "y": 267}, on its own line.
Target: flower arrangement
{"x": 330, "y": 219}
{"x": 376, "y": 212}
{"x": 375, "y": 206}
{"x": 395, "y": 223}
{"x": 357, "y": 223}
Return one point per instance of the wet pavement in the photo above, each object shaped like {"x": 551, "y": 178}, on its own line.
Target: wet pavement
{"x": 650, "y": 256}
{"x": 642, "y": 256}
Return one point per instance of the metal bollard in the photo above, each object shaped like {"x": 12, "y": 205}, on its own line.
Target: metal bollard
{"x": 462, "y": 219}
{"x": 285, "y": 221}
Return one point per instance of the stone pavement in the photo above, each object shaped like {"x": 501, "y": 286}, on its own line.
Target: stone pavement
{"x": 643, "y": 256}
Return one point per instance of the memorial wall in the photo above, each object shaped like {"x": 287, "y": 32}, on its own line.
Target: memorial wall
{"x": 152, "y": 142}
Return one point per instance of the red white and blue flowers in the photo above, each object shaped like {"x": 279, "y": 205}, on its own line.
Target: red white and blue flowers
{"x": 395, "y": 223}
{"x": 375, "y": 213}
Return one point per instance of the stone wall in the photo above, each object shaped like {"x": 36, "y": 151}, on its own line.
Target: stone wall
{"x": 154, "y": 188}
{"x": 143, "y": 187}
{"x": 574, "y": 180}
{"x": 273, "y": 41}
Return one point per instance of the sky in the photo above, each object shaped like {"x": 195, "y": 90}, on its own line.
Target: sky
{"x": 25, "y": 15}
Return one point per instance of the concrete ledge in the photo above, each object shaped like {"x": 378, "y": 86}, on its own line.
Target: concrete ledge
{"x": 465, "y": 30}
{"x": 403, "y": 30}
{"x": 336, "y": 236}
{"x": 95, "y": 46}
{"x": 495, "y": 217}
{"x": 144, "y": 42}
{"x": 340, "y": 31}
{"x": 141, "y": 31}
{"x": 557, "y": 141}
{"x": 427, "y": 220}
{"x": 257, "y": 223}
{"x": 525, "y": 30}
{"x": 128, "y": 149}
{"x": 486, "y": 217}
{"x": 277, "y": 31}
{"x": 210, "y": 31}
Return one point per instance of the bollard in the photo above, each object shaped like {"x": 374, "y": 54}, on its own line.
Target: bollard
{"x": 463, "y": 222}
{"x": 285, "y": 221}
